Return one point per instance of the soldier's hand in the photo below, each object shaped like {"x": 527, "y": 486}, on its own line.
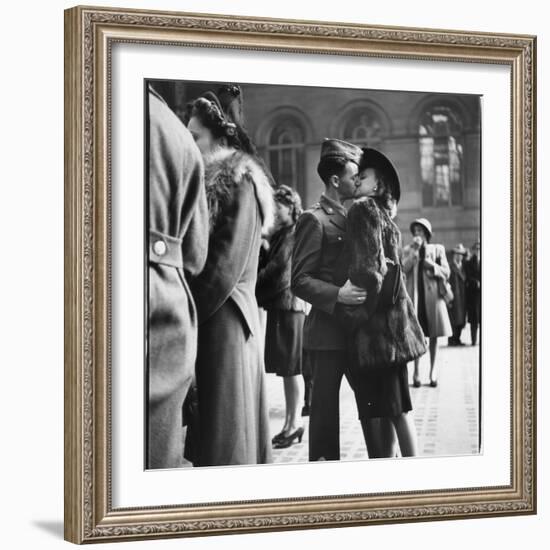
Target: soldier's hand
{"x": 351, "y": 295}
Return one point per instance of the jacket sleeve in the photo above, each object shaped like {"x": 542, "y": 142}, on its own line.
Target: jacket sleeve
{"x": 228, "y": 251}
{"x": 306, "y": 260}
{"x": 441, "y": 269}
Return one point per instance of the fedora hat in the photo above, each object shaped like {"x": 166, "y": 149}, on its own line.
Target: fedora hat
{"x": 459, "y": 249}
{"x": 372, "y": 158}
{"x": 338, "y": 149}
{"x": 423, "y": 222}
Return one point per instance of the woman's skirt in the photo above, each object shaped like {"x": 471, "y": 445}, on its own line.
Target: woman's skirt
{"x": 382, "y": 392}
{"x": 283, "y": 342}
{"x": 233, "y": 408}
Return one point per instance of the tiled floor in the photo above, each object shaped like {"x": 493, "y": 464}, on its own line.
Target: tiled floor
{"x": 446, "y": 417}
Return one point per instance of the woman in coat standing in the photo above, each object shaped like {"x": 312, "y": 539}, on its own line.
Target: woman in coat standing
{"x": 234, "y": 425}
{"x": 178, "y": 241}
{"x": 285, "y": 313}
{"x": 426, "y": 268}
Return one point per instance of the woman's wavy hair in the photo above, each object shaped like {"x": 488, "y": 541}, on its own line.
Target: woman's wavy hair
{"x": 222, "y": 115}
{"x": 284, "y": 194}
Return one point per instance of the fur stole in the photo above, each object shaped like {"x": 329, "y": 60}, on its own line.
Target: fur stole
{"x": 274, "y": 275}
{"x": 380, "y": 336}
{"x": 227, "y": 168}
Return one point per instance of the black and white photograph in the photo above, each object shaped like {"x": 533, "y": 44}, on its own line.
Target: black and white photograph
{"x": 313, "y": 274}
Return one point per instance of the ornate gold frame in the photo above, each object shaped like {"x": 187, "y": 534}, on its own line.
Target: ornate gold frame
{"x": 89, "y": 34}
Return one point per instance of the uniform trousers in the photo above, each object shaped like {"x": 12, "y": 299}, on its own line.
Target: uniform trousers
{"x": 329, "y": 366}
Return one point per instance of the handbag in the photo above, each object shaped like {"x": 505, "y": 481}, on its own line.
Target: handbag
{"x": 445, "y": 291}
{"x": 444, "y": 288}
{"x": 390, "y": 285}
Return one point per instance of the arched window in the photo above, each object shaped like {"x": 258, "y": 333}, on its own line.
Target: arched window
{"x": 441, "y": 156}
{"x": 363, "y": 127}
{"x": 284, "y": 152}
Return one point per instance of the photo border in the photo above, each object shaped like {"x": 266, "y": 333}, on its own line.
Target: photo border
{"x": 89, "y": 36}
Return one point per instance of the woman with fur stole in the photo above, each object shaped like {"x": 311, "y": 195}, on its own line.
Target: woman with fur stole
{"x": 232, "y": 400}
{"x": 385, "y": 333}
{"x": 285, "y": 313}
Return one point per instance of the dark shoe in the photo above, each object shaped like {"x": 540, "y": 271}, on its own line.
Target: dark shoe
{"x": 289, "y": 440}
{"x": 279, "y": 437}
{"x": 433, "y": 383}
{"x": 305, "y": 410}
{"x": 416, "y": 382}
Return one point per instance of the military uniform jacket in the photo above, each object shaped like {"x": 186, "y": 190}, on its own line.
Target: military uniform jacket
{"x": 319, "y": 268}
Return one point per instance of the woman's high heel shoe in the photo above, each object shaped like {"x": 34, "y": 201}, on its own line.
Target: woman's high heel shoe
{"x": 289, "y": 440}
{"x": 279, "y": 437}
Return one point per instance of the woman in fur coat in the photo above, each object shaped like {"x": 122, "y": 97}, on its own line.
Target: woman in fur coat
{"x": 233, "y": 411}
{"x": 285, "y": 313}
{"x": 385, "y": 333}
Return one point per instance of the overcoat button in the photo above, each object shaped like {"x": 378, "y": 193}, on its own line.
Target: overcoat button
{"x": 339, "y": 238}
{"x": 330, "y": 210}
{"x": 159, "y": 248}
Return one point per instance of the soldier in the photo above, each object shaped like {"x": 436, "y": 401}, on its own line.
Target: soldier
{"x": 319, "y": 276}
{"x": 178, "y": 244}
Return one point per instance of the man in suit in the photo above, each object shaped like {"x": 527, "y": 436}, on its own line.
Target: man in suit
{"x": 319, "y": 276}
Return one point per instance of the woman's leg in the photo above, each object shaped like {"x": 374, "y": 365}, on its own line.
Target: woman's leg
{"x": 406, "y": 433}
{"x": 433, "y": 353}
{"x": 416, "y": 373}
{"x": 380, "y": 437}
{"x": 293, "y": 399}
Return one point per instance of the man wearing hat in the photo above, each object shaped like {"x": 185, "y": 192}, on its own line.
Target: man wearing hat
{"x": 457, "y": 308}
{"x": 473, "y": 290}
{"x": 426, "y": 268}
{"x": 318, "y": 257}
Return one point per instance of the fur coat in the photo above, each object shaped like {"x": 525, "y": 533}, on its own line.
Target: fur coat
{"x": 380, "y": 335}
{"x": 236, "y": 187}
{"x": 273, "y": 285}
{"x": 233, "y": 408}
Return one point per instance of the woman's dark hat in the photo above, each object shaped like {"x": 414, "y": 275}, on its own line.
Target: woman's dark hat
{"x": 423, "y": 222}
{"x": 372, "y": 158}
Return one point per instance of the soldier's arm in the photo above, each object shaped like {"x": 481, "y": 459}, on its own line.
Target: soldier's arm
{"x": 306, "y": 261}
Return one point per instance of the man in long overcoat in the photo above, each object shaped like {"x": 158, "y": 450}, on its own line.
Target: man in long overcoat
{"x": 319, "y": 256}
{"x": 177, "y": 247}
{"x": 457, "y": 308}
{"x": 473, "y": 291}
